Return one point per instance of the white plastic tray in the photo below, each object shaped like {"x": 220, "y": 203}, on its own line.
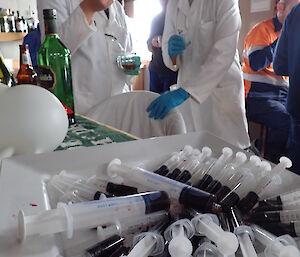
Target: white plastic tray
{"x": 22, "y": 181}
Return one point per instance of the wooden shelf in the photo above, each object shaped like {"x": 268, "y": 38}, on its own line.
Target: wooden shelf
{"x": 11, "y": 36}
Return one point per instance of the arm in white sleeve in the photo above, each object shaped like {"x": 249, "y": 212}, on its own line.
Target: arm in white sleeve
{"x": 73, "y": 27}
{"x": 169, "y": 30}
{"x": 221, "y": 55}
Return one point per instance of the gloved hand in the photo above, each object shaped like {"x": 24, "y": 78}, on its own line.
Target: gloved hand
{"x": 160, "y": 107}
{"x": 176, "y": 45}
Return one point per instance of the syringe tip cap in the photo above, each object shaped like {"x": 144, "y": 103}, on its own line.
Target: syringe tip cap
{"x": 112, "y": 165}
{"x": 266, "y": 166}
{"x": 227, "y": 151}
{"x": 227, "y": 243}
{"x": 206, "y": 150}
{"x": 241, "y": 156}
{"x": 286, "y": 162}
{"x": 187, "y": 149}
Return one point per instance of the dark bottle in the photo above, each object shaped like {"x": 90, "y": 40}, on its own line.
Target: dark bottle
{"x": 18, "y": 23}
{"x": 5, "y": 75}
{"x": 54, "y": 61}
{"x": 26, "y": 74}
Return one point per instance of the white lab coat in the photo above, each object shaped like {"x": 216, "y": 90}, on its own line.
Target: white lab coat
{"x": 94, "y": 71}
{"x": 209, "y": 68}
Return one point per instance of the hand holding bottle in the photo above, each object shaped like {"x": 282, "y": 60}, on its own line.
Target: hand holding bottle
{"x": 89, "y": 7}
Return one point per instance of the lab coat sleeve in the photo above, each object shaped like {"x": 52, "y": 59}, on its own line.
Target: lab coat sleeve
{"x": 280, "y": 62}
{"x": 169, "y": 30}
{"x": 222, "y": 54}
{"x": 73, "y": 27}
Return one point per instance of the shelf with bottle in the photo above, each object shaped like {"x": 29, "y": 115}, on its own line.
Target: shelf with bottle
{"x": 11, "y": 36}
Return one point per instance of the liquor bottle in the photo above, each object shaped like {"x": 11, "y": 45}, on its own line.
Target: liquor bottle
{"x": 18, "y": 22}
{"x": 5, "y": 75}
{"x": 26, "y": 74}
{"x": 54, "y": 61}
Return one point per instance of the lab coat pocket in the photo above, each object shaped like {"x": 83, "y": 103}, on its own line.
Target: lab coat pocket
{"x": 227, "y": 99}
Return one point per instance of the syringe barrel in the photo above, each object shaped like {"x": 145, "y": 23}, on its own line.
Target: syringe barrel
{"x": 262, "y": 235}
{"x": 91, "y": 214}
{"x": 188, "y": 196}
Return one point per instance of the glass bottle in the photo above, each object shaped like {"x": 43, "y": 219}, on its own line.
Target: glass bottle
{"x": 26, "y": 74}
{"x": 54, "y": 61}
{"x": 5, "y": 75}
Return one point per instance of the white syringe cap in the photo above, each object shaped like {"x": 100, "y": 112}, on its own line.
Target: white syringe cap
{"x": 227, "y": 152}
{"x": 207, "y": 151}
{"x": 187, "y": 150}
{"x": 240, "y": 158}
{"x": 254, "y": 158}
{"x": 266, "y": 167}
{"x": 227, "y": 243}
{"x": 286, "y": 162}
{"x": 110, "y": 167}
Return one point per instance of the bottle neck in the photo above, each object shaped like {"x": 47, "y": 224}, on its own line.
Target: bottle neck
{"x": 51, "y": 27}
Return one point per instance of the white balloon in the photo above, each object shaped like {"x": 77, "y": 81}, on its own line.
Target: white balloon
{"x": 32, "y": 120}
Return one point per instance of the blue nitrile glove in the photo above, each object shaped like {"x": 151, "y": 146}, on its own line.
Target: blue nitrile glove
{"x": 160, "y": 107}
{"x": 176, "y": 45}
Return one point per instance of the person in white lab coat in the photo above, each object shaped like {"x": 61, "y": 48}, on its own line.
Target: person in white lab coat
{"x": 200, "y": 39}
{"x": 96, "y": 33}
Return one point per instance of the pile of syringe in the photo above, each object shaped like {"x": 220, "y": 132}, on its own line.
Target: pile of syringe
{"x": 194, "y": 204}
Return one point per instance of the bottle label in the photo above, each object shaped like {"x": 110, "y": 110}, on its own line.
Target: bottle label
{"x": 68, "y": 110}
{"x": 26, "y": 59}
{"x": 47, "y": 78}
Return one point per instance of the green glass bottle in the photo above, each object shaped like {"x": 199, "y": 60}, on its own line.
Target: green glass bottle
{"x": 54, "y": 61}
{"x": 5, "y": 75}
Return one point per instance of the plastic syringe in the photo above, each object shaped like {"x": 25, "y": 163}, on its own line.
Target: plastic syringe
{"x": 215, "y": 168}
{"x": 286, "y": 201}
{"x": 234, "y": 180}
{"x": 149, "y": 243}
{"x": 226, "y": 173}
{"x": 183, "y": 168}
{"x": 248, "y": 202}
{"x": 178, "y": 235}
{"x": 186, "y": 195}
{"x": 173, "y": 161}
{"x": 279, "y": 229}
{"x": 246, "y": 184}
{"x": 191, "y": 166}
{"x": 90, "y": 214}
{"x": 130, "y": 225}
{"x": 244, "y": 233}
{"x": 275, "y": 216}
{"x": 205, "y": 224}
{"x": 104, "y": 248}
{"x": 284, "y": 246}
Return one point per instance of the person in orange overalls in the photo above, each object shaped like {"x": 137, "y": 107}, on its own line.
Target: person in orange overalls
{"x": 266, "y": 92}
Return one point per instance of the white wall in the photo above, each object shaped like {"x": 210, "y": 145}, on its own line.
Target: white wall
{"x": 11, "y": 49}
